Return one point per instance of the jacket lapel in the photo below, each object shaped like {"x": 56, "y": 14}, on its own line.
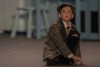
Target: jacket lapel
{"x": 62, "y": 30}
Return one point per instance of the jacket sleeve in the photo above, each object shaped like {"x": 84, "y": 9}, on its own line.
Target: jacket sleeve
{"x": 58, "y": 41}
{"x": 78, "y": 51}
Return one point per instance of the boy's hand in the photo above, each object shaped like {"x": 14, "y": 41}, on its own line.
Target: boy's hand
{"x": 76, "y": 58}
{"x": 78, "y": 63}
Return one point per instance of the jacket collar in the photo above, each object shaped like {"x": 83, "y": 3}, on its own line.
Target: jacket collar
{"x": 61, "y": 24}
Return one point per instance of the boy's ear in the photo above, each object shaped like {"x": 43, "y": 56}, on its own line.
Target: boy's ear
{"x": 59, "y": 15}
{"x": 73, "y": 16}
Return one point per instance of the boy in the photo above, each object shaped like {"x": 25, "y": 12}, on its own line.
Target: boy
{"x": 62, "y": 42}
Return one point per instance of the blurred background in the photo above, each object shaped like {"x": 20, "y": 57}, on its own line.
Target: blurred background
{"x": 24, "y": 24}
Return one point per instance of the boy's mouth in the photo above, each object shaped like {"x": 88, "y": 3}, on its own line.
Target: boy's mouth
{"x": 66, "y": 16}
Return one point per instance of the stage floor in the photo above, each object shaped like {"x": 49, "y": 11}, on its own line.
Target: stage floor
{"x": 23, "y": 52}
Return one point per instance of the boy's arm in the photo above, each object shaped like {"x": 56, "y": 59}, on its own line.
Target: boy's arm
{"x": 59, "y": 43}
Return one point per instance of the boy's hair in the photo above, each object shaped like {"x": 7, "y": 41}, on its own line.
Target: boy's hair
{"x": 59, "y": 8}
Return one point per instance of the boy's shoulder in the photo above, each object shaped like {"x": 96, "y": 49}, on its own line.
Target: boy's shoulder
{"x": 54, "y": 25}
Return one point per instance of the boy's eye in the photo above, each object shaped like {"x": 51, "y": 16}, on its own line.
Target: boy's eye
{"x": 63, "y": 11}
{"x": 69, "y": 11}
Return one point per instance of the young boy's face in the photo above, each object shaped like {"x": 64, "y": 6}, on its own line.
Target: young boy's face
{"x": 66, "y": 13}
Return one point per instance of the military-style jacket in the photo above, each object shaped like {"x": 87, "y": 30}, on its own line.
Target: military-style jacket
{"x": 55, "y": 43}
